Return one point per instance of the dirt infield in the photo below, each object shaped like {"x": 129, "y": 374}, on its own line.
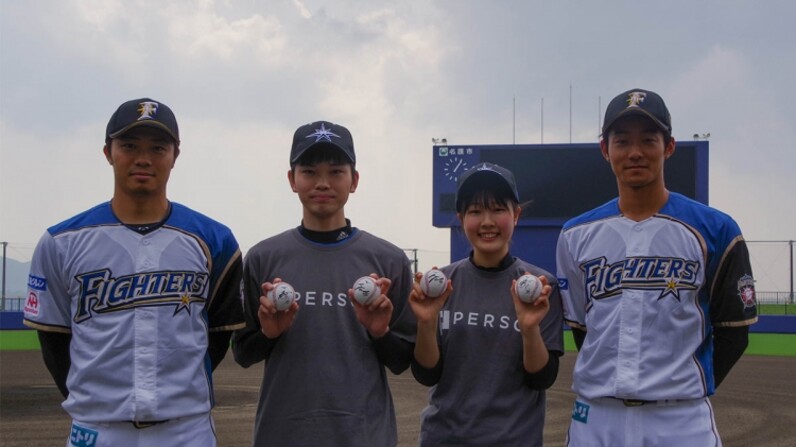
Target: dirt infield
{"x": 756, "y": 406}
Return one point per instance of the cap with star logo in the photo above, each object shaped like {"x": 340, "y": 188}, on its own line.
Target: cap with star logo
{"x": 638, "y": 102}
{"x": 142, "y": 112}
{"x": 485, "y": 176}
{"x": 322, "y": 133}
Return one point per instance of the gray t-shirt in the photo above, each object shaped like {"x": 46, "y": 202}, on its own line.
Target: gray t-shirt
{"x": 481, "y": 397}
{"x": 323, "y": 383}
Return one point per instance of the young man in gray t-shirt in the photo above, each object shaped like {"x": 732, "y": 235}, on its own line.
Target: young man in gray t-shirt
{"x": 325, "y": 381}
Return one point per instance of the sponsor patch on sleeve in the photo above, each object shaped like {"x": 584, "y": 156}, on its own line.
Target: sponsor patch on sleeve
{"x": 32, "y": 305}
{"x": 563, "y": 283}
{"x": 37, "y": 283}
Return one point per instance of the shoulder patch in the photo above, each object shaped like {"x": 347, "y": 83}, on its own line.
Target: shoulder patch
{"x": 746, "y": 291}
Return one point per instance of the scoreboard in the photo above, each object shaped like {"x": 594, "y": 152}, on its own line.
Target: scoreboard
{"x": 556, "y": 182}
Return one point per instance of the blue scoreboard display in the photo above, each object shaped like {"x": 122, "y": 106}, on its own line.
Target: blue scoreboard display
{"x": 556, "y": 182}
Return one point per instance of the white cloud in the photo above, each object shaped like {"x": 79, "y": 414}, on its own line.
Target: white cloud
{"x": 302, "y": 9}
{"x": 100, "y": 14}
{"x": 45, "y": 179}
{"x": 205, "y": 33}
{"x": 750, "y": 167}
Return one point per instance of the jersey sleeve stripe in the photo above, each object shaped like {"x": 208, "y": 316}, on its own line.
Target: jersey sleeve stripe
{"x": 575, "y": 324}
{"x": 229, "y": 327}
{"x": 727, "y": 251}
{"x": 46, "y": 327}
{"x": 748, "y": 322}
{"x": 224, "y": 273}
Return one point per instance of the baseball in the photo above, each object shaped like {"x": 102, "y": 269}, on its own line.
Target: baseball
{"x": 528, "y": 288}
{"x": 366, "y": 290}
{"x": 433, "y": 283}
{"x": 282, "y": 295}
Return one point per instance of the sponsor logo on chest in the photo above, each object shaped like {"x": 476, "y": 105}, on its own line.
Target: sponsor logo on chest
{"x": 450, "y": 318}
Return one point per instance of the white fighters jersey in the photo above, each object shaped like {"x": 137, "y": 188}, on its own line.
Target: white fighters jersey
{"x": 139, "y": 308}
{"x": 649, "y": 294}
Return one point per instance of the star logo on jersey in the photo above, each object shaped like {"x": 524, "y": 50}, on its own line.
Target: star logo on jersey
{"x": 147, "y": 109}
{"x": 670, "y": 289}
{"x": 634, "y": 99}
{"x": 185, "y": 303}
{"x": 323, "y": 134}
{"x": 746, "y": 291}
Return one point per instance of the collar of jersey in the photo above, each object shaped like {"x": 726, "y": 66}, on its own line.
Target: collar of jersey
{"x": 505, "y": 263}
{"x": 328, "y": 238}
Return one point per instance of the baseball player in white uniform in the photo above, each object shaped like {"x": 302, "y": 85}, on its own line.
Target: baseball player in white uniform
{"x": 135, "y": 299}
{"x": 658, "y": 291}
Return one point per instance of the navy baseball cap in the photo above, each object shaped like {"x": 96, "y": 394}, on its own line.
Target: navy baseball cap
{"x": 322, "y": 133}
{"x": 142, "y": 112}
{"x": 485, "y": 176}
{"x": 638, "y": 102}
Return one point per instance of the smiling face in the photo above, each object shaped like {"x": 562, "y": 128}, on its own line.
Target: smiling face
{"x": 488, "y": 223}
{"x": 142, "y": 159}
{"x": 637, "y": 149}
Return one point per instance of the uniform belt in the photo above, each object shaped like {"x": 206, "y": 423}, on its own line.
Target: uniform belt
{"x": 637, "y": 402}
{"x": 147, "y": 424}
{"x": 640, "y": 402}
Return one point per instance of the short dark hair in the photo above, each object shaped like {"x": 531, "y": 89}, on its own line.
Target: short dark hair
{"x": 323, "y": 153}
{"x": 488, "y": 198}
{"x": 667, "y": 137}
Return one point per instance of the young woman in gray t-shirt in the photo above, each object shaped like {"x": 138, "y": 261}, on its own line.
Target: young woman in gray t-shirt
{"x": 487, "y": 355}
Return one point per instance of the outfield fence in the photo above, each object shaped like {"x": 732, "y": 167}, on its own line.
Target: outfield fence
{"x": 775, "y": 298}
{"x": 13, "y": 305}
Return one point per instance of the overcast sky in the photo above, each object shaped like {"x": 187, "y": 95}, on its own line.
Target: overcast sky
{"x": 242, "y": 75}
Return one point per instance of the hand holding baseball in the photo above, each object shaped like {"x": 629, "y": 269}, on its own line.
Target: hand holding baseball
{"x": 530, "y": 314}
{"x": 376, "y": 312}
{"x": 425, "y": 307}
{"x": 274, "y": 322}
{"x": 433, "y": 283}
{"x": 528, "y": 288}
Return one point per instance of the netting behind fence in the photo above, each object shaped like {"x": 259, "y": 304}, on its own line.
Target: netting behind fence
{"x": 773, "y": 269}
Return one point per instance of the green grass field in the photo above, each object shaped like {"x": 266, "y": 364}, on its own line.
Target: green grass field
{"x": 777, "y": 309}
{"x": 18, "y": 340}
{"x": 759, "y": 344}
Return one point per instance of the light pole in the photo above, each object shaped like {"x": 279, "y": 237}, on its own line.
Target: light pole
{"x": 3, "y": 296}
